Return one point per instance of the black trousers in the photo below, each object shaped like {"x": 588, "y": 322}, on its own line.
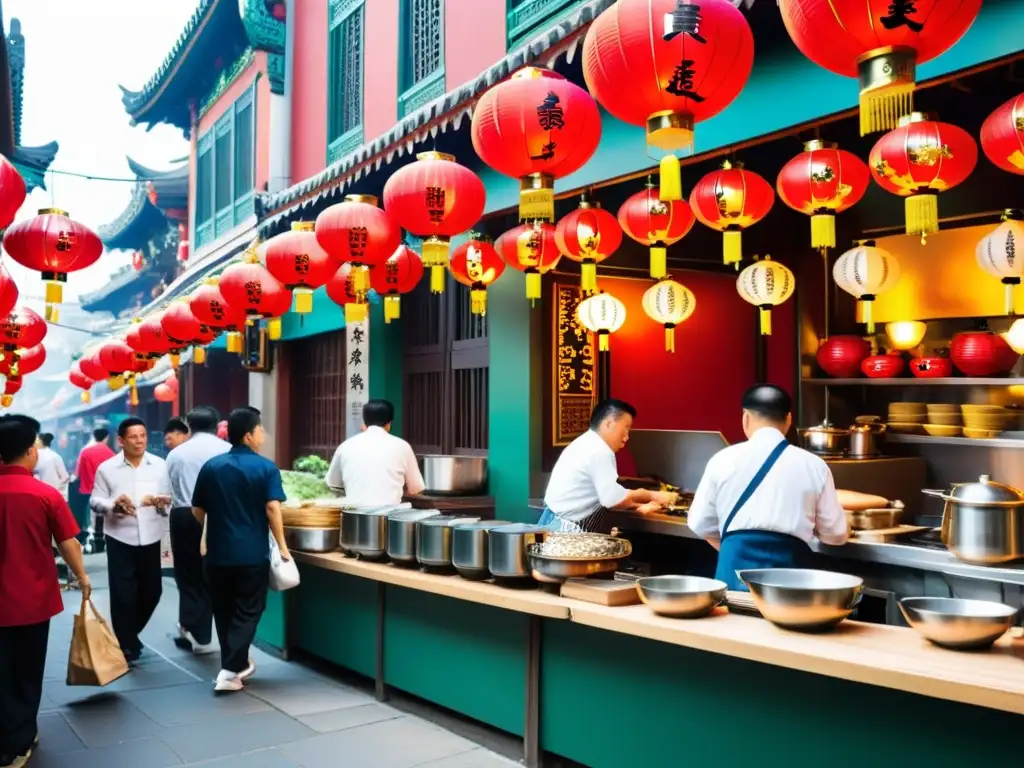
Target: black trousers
{"x": 195, "y": 612}
{"x": 22, "y": 663}
{"x": 239, "y": 595}
{"x": 135, "y": 588}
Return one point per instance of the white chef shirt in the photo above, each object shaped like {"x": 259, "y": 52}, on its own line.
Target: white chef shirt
{"x": 375, "y": 468}
{"x": 51, "y": 470}
{"x": 115, "y": 477}
{"x": 585, "y": 478}
{"x": 185, "y": 461}
{"x": 797, "y": 497}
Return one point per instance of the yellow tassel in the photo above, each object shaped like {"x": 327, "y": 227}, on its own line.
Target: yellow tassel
{"x": 274, "y": 328}
{"x": 437, "y": 278}
{"x": 866, "y": 312}
{"x": 355, "y": 313}
{"x": 670, "y": 338}
{"x": 589, "y": 271}
{"x": 537, "y": 204}
{"x": 671, "y": 179}
{"x": 54, "y": 293}
{"x": 234, "y": 342}
{"x": 6, "y": 400}
{"x": 115, "y": 383}
{"x": 51, "y": 313}
{"x": 435, "y": 252}
{"x": 392, "y": 308}
{"x": 198, "y": 355}
{"x": 732, "y": 247}
{"x": 659, "y": 262}
{"x": 303, "y": 301}
{"x": 478, "y": 301}
{"x": 766, "y": 320}
{"x": 922, "y": 214}
{"x": 360, "y": 279}
{"x": 602, "y": 341}
{"x": 134, "y": 400}
{"x": 86, "y": 397}
{"x": 1008, "y": 298}
{"x": 881, "y": 109}
{"x": 823, "y": 230}
{"x": 174, "y": 360}
{"x": 533, "y": 289}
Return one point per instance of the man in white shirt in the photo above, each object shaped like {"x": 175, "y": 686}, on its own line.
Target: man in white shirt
{"x": 585, "y": 480}
{"x": 761, "y": 502}
{"x": 374, "y": 467}
{"x": 132, "y": 492}
{"x": 50, "y": 467}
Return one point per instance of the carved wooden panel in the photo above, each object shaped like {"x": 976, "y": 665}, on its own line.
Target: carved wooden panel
{"x": 318, "y": 394}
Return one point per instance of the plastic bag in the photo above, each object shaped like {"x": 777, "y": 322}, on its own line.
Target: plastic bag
{"x": 284, "y": 574}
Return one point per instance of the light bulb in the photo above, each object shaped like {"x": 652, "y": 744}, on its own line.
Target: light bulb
{"x": 906, "y": 334}
{"x": 1015, "y": 336}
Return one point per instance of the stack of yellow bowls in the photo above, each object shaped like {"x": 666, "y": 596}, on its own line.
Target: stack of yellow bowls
{"x": 906, "y": 418}
{"x": 944, "y": 420}
{"x": 982, "y": 421}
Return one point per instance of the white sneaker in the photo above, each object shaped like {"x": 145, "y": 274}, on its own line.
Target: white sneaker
{"x": 227, "y": 682}
{"x": 249, "y": 671}
{"x": 199, "y": 649}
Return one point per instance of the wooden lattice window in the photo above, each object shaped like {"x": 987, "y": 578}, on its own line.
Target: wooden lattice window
{"x": 244, "y": 155}
{"x": 425, "y": 38}
{"x": 345, "y": 78}
{"x": 317, "y": 394}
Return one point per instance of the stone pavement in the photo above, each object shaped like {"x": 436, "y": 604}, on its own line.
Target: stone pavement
{"x": 164, "y": 713}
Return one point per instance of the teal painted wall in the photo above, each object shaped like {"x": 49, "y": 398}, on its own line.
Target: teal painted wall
{"x": 272, "y": 629}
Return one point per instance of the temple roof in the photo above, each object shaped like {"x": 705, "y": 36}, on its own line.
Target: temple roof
{"x": 157, "y": 197}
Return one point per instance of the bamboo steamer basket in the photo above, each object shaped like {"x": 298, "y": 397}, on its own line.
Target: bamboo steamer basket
{"x": 311, "y": 516}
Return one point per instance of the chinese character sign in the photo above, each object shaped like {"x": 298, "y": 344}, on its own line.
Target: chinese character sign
{"x": 357, "y": 374}
{"x": 573, "y": 365}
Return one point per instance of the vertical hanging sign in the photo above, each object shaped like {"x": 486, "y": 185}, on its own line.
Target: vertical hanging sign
{"x": 573, "y": 365}
{"x": 357, "y": 374}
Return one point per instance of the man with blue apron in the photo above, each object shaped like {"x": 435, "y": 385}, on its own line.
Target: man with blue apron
{"x": 760, "y": 503}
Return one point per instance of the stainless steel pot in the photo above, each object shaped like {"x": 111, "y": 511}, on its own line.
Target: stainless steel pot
{"x": 434, "y": 539}
{"x": 469, "y": 548}
{"x": 865, "y": 439}
{"x": 826, "y": 440}
{"x": 364, "y": 532}
{"x": 983, "y": 522}
{"x": 311, "y": 539}
{"x": 453, "y": 475}
{"x": 402, "y": 534}
{"x": 506, "y": 549}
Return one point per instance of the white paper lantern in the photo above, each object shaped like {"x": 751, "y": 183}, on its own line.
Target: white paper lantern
{"x": 865, "y": 272}
{"x": 669, "y": 303}
{"x": 602, "y": 314}
{"x": 766, "y": 284}
{"x": 1001, "y": 254}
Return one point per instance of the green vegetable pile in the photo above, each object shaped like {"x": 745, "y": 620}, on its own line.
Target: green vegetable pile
{"x": 303, "y": 486}
{"x": 312, "y": 465}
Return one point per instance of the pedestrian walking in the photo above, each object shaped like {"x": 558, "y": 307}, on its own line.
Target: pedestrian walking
{"x": 195, "y": 612}
{"x": 175, "y": 433}
{"x": 89, "y": 460}
{"x": 132, "y": 493}
{"x": 238, "y": 496}
{"x": 32, "y": 514}
{"x": 50, "y": 466}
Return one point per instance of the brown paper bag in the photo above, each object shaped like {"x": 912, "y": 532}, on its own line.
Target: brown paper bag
{"x": 95, "y": 657}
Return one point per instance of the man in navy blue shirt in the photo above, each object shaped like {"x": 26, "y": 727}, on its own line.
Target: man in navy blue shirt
{"x": 238, "y": 495}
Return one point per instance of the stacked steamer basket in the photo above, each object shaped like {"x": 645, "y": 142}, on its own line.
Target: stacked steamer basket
{"x": 312, "y": 526}
{"x": 906, "y": 418}
{"x": 944, "y": 420}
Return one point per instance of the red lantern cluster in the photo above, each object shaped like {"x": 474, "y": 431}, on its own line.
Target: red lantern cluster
{"x": 655, "y": 223}
{"x": 730, "y": 200}
{"x": 251, "y": 288}
{"x": 588, "y": 235}
{"x": 476, "y": 265}
{"x": 399, "y": 274}
{"x": 26, "y": 361}
{"x": 296, "y": 259}
{"x": 183, "y": 329}
{"x": 21, "y": 328}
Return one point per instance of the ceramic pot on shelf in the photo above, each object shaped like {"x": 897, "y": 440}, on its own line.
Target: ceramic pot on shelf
{"x": 982, "y": 353}
{"x": 931, "y": 367}
{"x": 887, "y": 365}
{"x": 840, "y": 356}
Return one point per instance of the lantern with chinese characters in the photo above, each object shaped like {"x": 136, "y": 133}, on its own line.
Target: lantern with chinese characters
{"x": 54, "y": 245}
{"x": 588, "y": 235}
{"x": 164, "y": 393}
{"x": 667, "y": 65}
{"x": 11, "y": 388}
{"x": 215, "y": 313}
{"x": 730, "y": 200}
{"x": 669, "y": 303}
{"x": 152, "y": 332}
{"x": 21, "y": 328}
{"x": 359, "y": 233}
{"x": 1001, "y": 253}
{"x": 918, "y": 160}
{"x": 91, "y": 366}
{"x": 1002, "y": 136}
{"x": 435, "y": 198}
{"x": 766, "y": 284}
{"x": 655, "y": 223}
{"x": 399, "y": 274}
{"x": 12, "y": 192}
{"x": 183, "y": 328}
{"x": 880, "y": 42}
{"x": 602, "y": 314}
{"x": 530, "y": 248}
{"x": 252, "y": 289}
{"x": 864, "y": 272}
{"x": 477, "y": 265}
{"x": 80, "y": 380}
{"x": 536, "y": 127}
{"x": 8, "y": 290}
{"x": 24, "y": 362}
{"x": 820, "y": 182}
{"x": 341, "y": 288}
{"x": 296, "y": 259}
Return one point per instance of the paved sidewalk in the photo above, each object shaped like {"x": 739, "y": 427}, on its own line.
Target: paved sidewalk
{"x": 164, "y": 713}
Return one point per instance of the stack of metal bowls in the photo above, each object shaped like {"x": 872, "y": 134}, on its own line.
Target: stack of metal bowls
{"x": 803, "y": 599}
{"x": 963, "y": 625}
{"x": 364, "y": 532}
{"x": 681, "y": 597}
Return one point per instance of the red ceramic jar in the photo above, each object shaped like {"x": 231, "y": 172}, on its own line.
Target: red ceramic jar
{"x": 931, "y": 367}
{"x": 840, "y": 356}
{"x": 982, "y": 353}
{"x": 886, "y": 366}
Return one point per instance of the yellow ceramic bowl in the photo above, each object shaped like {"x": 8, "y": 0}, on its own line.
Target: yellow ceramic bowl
{"x": 943, "y": 430}
{"x": 967, "y": 408}
{"x": 943, "y": 408}
{"x": 947, "y": 419}
{"x": 904, "y": 428}
{"x": 990, "y": 421}
{"x": 980, "y": 434}
{"x": 907, "y": 407}
{"x": 908, "y": 418}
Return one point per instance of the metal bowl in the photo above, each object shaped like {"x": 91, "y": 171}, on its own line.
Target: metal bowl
{"x": 803, "y": 599}
{"x": 555, "y": 570}
{"x": 682, "y": 597}
{"x": 964, "y": 625}
{"x": 311, "y": 539}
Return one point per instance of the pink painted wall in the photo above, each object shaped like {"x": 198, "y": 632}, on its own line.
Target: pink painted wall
{"x": 380, "y": 71}
{"x": 309, "y": 106}
{"x": 481, "y": 22}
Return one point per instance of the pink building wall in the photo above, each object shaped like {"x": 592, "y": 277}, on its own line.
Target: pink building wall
{"x": 309, "y": 105}
{"x": 474, "y": 33}
{"x": 380, "y": 67}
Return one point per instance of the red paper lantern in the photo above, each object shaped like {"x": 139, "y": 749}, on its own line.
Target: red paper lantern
{"x": 12, "y": 192}
{"x": 476, "y": 264}
{"x": 21, "y": 328}
{"x": 435, "y": 198}
{"x": 883, "y": 366}
{"x": 24, "y": 362}
{"x": 982, "y": 353}
{"x": 820, "y": 182}
{"x": 217, "y": 314}
{"x": 138, "y": 261}
{"x": 341, "y": 288}
{"x": 8, "y": 290}
{"x": 1002, "y": 136}
{"x": 918, "y": 160}
{"x": 183, "y": 251}
{"x": 399, "y": 274}
{"x": 172, "y": 382}
{"x": 251, "y": 288}
{"x": 530, "y": 248}
{"x": 11, "y": 388}
{"x": 931, "y": 367}
{"x": 588, "y": 235}
{"x": 91, "y": 366}
{"x": 536, "y": 127}
{"x": 667, "y": 65}
{"x": 183, "y": 328}
{"x": 80, "y": 380}
{"x": 840, "y": 356}
{"x": 880, "y": 42}
{"x": 655, "y": 223}
{"x": 730, "y": 200}
{"x": 118, "y": 358}
{"x": 296, "y": 259}
{"x": 164, "y": 394}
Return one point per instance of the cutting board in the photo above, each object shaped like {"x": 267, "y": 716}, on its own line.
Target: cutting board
{"x": 601, "y": 591}
{"x": 888, "y": 535}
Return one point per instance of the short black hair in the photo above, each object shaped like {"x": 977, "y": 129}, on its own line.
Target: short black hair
{"x": 100, "y": 434}
{"x": 131, "y": 421}
{"x": 203, "y": 418}
{"x": 46, "y": 439}
{"x": 176, "y": 425}
{"x": 610, "y": 408}
{"x": 768, "y": 402}
{"x": 378, "y": 413}
{"x": 17, "y": 436}
{"x": 242, "y": 421}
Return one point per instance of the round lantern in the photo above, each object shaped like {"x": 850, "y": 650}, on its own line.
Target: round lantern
{"x": 341, "y": 288}
{"x": 12, "y": 192}
{"x": 1001, "y": 254}
{"x": 905, "y": 335}
{"x": 80, "y": 380}
{"x": 152, "y": 332}
{"x": 766, "y": 284}
{"x": 730, "y": 200}
{"x": 119, "y": 359}
{"x": 820, "y": 182}
{"x": 91, "y": 366}
{"x": 399, "y": 274}
{"x": 53, "y": 244}
{"x": 8, "y": 290}
{"x": 655, "y": 223}
{"x": 840, "y": 356}
{"x": 11, "y": 388}
{"x": 667, "y": 65}
{"x": 437, "y": 199}
{"x": 536, "y": 127}
{"x": 982, "y": 353}
{"x": 183, "y": 251}
{"x": 215, "y": 313}
{"x": 919, "y": 159}
{"x": 24, "y": 362}
{"x": 296, "y": 259}
{"x": 250, "y": 287}
{"x": 588, "y": 235}
{"x": 359, "y": 233}
{"x": 880, "y": 42}
{"x": 1002, "y": 136}
{"x": 864, "y": 272}
{"x": 530, "y": 248}
{"x": 669, "y": 303}
{"x": 182, "y": 329}
{"x": 21, "y": 328}
{"x": 164, "y": 393}
{"x": 602, "y": 314}
{"x": 476, "y": 264}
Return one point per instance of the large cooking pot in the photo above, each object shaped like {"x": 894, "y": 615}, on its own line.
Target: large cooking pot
{"x": 434, "y": 539}
{"x": 469, "y": 548}
{"x": 453, "y": 475}
{"x": 402, "y": 534}
{"x": 983, "y": 522}
{"x": 364, "y": 532}
{"x": 826, "y": 440}
{"x": 506, "y": 550}
{"x": 865, "y": 438}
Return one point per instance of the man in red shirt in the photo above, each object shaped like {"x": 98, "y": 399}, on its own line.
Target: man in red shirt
{"x": 32, "y": 515}
{"x": 89, "y": 460}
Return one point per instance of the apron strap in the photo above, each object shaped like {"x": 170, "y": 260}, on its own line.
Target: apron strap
{"x": 755, "y": 482}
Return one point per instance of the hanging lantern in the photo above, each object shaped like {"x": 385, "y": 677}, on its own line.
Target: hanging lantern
{"x": 91, "y": 366}
{"x": 1001, "y": 254}
{"x": 54, "y": 245}
{"x": 21, "y": 328}
{"x": 183, "y": 251}
{"x": 669, "y": 303}
{"x": 11, "y": 388}
{"x": 214, "y": 312}
{"x": 667, "y": 65}
{"x": 655, "y": 223}
{"x": 172, "y": 382}
{"x": 536, "y": 127}
{"x": 80, "y": 380}
{"x": 530, "y": 248}
{"x": 138, "y": 261}
{"x": 730, "y": 200}
{"x": 437, "y": 199}
{"x": 766, "y": 284}
{"x": 477, "y": 265}
{"x": 865, "y": 272}
{"x": 905, "y": 334}
{"x": 182, "y": 329}
{"x": 23, "y": 362}
{"x": 8, "y": 290}
{"x": 119, "y": 359}
{"x": 250, "y": 287}
{"x": 152, "y": 332}
{"x": 602, "y": 314}
{"x": 1002, "y": 136}
{"x": 359, "y": 233}
{"x": 588, "y": 235}
{"x": 820, "y": 182}
{"x": 296, "y": 259}
{"x": 880, "y": 42}
{"x": 164, "y": 394}
{"x": 341, "y": 289}
{"x": 12, "y": 192}
{"x": 919, "y": 159}
{"x": 399, "y": 274}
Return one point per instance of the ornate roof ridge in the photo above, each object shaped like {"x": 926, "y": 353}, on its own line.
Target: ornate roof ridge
{"x": 144, "y": 172}
{"x": 138, "y": 201}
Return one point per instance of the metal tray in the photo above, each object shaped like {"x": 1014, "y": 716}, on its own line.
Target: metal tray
{"x": 554, "y": 570}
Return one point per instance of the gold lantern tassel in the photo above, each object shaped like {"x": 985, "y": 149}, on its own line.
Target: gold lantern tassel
{"x": 670, "y": 337}
{"x": 536, "y": 198}
{"x": 765, "y": 313}
{"x": 823, "y": 230}
{"x": 671, "y": 187}
{"x": 303, "y": 301}
{"x": 437, "y": 278}
{"x": 732, "y": 247}
{"x": 1009, "y": 283}
{"x": 602, "y": 341}
{"x": 54, "y": 292}
{"x": 360, "y": 278}
{"x": 86, "y": 397}
{"x": 115, "y": 383}
{"x": 864, "y": 312}
{"x": 134, "y": 399}
{"x": 274, "y": 328}
{"x": 174, "y": 360}
{"x": 588, "y": 270}
{"x": 355, "y": 313}
{"x": 51, "y": 313}
{"x": 234, "y": 342}
{"x": 6, "y": 400}
{"x": 533, "y": 285}
{"x": 922, "y": 214}
{"x": 478, "y": 301}
{"x": 392, "y": 308}
{"x": 659, "y": 261}
{"x": 881, "y": 109}
{"x": 198, "y": 355}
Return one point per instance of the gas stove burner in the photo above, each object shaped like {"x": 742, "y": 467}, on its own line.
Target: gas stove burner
{"x": 927, "y": 540}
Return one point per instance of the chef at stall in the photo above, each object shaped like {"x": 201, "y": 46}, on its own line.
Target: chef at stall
{"x": 761, "y": 502}
{"x": 585, "y": 480}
